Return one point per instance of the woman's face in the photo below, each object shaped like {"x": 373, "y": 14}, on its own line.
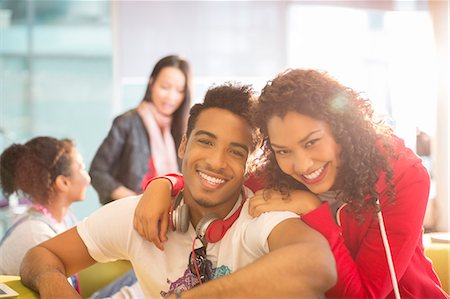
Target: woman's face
{"x": 305, "y": 149}
{"x": 79, "y": 179}
{"x": 168, "y": 90}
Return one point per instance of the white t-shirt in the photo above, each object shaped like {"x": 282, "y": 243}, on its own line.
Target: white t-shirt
{"x": 109, "y": 235}
{"x": 31, "y": 231}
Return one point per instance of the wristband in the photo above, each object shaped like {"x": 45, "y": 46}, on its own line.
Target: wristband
{"x": 176, "y": 182}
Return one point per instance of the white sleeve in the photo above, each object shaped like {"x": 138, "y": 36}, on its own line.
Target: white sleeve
{"x": 25, "y": 236}
{"x": 258, "y": 230}
{"x": 107, "y": 233}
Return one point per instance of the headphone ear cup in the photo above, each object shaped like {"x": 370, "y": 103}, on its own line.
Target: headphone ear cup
{"x": 182, "y": 223}
{"x": 203, "y": 228}
{"x": 179, "y": 219}
{"x": 216, "y": 231}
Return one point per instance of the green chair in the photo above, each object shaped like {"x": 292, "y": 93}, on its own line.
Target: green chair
{"x": 91, "y": 279}
{"x": 14, "y": 283}
{"x": 437, "y": 249}
{"x": 99, "y": 275}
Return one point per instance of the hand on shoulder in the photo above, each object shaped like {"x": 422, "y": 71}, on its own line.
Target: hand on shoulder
{"x": 298, "y": 201}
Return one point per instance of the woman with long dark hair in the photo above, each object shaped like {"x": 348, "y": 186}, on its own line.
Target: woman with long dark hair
{"x": 142, "y": 142}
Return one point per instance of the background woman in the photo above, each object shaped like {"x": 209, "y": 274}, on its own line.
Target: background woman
{"x": 51, "y": 173}
{"x": 321, "y": 138}
{"x": 142, "y": 142}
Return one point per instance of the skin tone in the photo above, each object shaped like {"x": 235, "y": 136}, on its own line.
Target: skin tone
{"x": 168, "y": 92}
{"x": 151, "y": 217}
{"x": 69, "y": 189}
{"x": 121, "y": 192}
{"x": 306, "y": 150}
{"x": 214, "y": 159}
{"x": 79, "y": 179}
{"x": 212, "y": 173}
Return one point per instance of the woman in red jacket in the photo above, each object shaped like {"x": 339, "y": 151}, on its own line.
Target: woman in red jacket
{"x": 372, "y": 191}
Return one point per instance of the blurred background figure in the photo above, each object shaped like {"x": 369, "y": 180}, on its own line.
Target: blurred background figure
{"x": 423, "y": 150}
{"x": 142, "y": 142}
{"x": 51, "y": 173}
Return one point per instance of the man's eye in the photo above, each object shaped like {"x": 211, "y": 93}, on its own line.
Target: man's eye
{"x": 238, "y": 153}
{"x": 204, "y": 141}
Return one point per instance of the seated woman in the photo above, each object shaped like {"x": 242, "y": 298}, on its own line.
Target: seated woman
{"x": 52, "y": 174}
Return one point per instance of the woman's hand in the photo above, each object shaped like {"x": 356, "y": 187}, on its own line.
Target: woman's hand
{"x": 298, "y": 201}
{"x": 151, "y": 217}
{"x": 122, "y": 192}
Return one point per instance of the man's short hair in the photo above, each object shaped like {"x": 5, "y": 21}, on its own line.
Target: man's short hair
{"x": 234, "y": 97}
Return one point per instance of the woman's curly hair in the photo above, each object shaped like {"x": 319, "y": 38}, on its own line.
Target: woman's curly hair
{"x": 31, "y": 168}
{"x": 364, "y": 141}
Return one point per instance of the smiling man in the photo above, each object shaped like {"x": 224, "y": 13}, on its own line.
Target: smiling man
{"x": 223, "y": 252}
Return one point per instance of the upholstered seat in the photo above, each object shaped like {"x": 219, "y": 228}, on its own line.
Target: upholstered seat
{"x": 91, "y": 279}
{"x": 437, "y": 248}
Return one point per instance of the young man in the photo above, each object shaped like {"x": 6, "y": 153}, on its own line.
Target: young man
{"x": 214, "y": 152}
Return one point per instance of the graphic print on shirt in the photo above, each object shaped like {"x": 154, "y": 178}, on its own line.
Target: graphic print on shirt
{"x": 189, "y": 280}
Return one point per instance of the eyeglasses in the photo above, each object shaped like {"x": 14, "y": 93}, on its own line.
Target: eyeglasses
{"x": 199, "y": 265}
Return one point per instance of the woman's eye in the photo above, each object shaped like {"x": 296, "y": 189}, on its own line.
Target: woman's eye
{"x": 281, "y": 152}
{"x": 311, "y": 143}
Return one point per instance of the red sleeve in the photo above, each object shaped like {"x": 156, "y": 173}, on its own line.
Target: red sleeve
{"x": 362, "y": 270}
{"x": 175, "y": 179}
{"x": 322, "y": 220}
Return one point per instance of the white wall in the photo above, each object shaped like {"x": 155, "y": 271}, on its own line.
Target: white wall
{"x": 248, "y": 41}
{"x": 222, "y": 40}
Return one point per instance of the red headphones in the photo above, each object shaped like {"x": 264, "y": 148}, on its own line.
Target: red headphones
{"x": 210, "y": 228}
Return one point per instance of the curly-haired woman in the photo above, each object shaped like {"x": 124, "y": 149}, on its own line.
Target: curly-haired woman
{"x": 52, "y": 174}
{"x": 371, "y": 191}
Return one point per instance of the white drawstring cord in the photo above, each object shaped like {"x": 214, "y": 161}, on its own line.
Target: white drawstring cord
{"x": 388, "y": 253}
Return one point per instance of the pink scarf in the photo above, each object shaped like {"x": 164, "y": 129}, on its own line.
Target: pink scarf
{"x": 162, "y": 145}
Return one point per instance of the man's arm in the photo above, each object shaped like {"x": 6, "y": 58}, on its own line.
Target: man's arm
{"x": 300, "y": 265}
{"x": 45, "y": 268}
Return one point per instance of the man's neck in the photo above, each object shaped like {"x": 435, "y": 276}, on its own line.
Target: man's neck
{"x": 198, "y": 210}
